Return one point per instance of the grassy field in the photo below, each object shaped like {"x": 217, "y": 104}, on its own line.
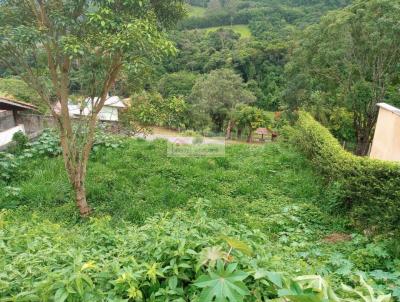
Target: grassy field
{"x": 140, "y": 180}
{"x": 266, "y": 187}
{"x": 267, "y": 195}
{"x": 195, "y": 11}
{"x": 243, "y": 30}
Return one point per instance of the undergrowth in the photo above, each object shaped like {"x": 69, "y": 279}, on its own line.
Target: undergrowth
{"x": 268, "y": 190}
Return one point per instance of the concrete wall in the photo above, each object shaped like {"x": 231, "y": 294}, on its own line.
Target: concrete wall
{"x": 6, "y": 120}
{"x": 386, "y": 143}
{"x": 34, "y": 123}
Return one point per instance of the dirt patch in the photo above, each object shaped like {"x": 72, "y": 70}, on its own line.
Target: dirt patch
{"x": 337, "y": 237}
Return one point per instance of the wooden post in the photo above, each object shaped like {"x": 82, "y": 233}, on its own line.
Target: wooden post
{"x": 15, "y": 117}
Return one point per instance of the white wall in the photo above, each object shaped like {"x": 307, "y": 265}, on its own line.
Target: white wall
{"x": 386, "y": 143}
{"x": 7, "y": 135}
{"x": 108, "y": 114}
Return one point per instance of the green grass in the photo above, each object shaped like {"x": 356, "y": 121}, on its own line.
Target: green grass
{"x": 241, "y": 29}
{"x": 267, "y": 194}
{"x": 140, "y": 180}
{"x": 195, "y": 11}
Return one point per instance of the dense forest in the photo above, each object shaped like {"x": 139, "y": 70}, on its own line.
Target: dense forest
{"x": 276, "y": 64}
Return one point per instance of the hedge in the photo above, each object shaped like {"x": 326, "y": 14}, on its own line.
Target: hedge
{"x": 369, "y": 189}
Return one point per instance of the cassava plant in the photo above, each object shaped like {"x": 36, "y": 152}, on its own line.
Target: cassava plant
{"x": 54, "y": 45}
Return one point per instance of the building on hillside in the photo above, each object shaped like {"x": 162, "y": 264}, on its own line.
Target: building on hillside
{"x": 10, "y": 123}
{"x": 386, "y": 143}
{"x": 109, "y": 112}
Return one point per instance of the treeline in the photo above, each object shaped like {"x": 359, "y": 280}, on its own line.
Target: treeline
{"x": 220, "y": 18}
{"x": 230, "y": 12}
{"x": 337, "y": 67}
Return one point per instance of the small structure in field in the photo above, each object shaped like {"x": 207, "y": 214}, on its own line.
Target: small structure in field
{"x": 386, "y": 142}
{"x": 262, "y": 132}
{"x": 9, "y": 118}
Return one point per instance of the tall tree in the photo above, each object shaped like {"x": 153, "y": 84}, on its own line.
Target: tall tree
{"x": 49, "y": 43}
{"x": 250, "y": 117}
{"x": 351, "y": 59}
{"x": 217, "y": 94}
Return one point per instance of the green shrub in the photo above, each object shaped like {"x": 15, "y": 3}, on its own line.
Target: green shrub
{"x": 8, "y": 166}
{"x": 189, "y": 133}
{"x": 48, "y": 144}
{"x": 20, "y": 140}
{"x": 370, "y": 189}
{"x": 180, "y": 257}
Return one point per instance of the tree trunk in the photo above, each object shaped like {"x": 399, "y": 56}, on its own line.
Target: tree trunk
{"x": 239, "y": 133}
{"x": 364, "y": 133}
{"x": 249, "y": 138}
{"x": 80, "y": 195}
{"x": 229, "y": 130}
{"x": 363, "y": 143}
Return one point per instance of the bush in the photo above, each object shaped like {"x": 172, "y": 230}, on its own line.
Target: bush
{"x": 180, "y": 257}
{"x": 370, "y": 188}
{"x": 20, "y": 140}
{"x": 8, "y": 166}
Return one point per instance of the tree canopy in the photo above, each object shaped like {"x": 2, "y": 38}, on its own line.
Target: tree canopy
{"x": 56, "y": 45}
{"x": 217, "y": 94}
{"x": 349, "y": 60}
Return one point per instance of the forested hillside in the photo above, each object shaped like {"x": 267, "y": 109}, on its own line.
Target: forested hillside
{"x": 251, "y": 38}
{"x": 259, "y": 58}
{"x": 259, "y": 13}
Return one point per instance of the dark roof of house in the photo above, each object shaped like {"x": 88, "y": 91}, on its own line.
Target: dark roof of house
{"x": 9, "y": 104}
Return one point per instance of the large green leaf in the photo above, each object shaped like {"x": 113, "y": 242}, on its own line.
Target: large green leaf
{"x": 223, "y": 284}
{"x": 238, "y": 245}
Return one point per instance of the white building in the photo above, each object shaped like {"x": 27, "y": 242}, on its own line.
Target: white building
{"x": 386, "y": 143}
{"x": 9, "y": 122}
{"x": 109, "y": 112}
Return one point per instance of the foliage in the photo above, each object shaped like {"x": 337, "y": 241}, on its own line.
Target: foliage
{"x": 81, "y": 46}
{"x": 225, "y": 284}
{"x": 47, "y": 145}
{"x": 370, "y": 188}
{"x": 156, "y": 262}
{"x": 242, "y": 30}
{"x": 367, "y": 293}
{"x": 278, "y": 13}
{"x": 337, "y": 61}
{"x": 246, "y": 116}
{"x": 270, "y": 189}
{"x": 177, "y": 84}
{"x": 19, "y": 90}
{"x": 8, "y": 165}
{"x": 260, "y": 64}
{"x": 20, "y": 141}
{"x": 217, "y": 94}
{"x": 151, "y": 109}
